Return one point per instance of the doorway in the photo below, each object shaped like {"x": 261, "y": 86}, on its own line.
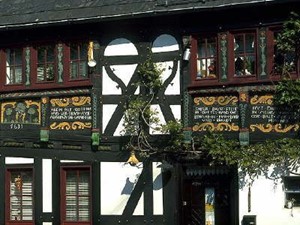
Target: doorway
{"x": 206, "y": 200}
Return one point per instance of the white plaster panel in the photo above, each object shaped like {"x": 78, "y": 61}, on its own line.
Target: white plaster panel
{"x": 47, "y": 223}
{"x": 123, "y": 72}
{"x": 118, "y": 180}
{"x": 71, "y": 161}
{"x": 176, "y": 110}
{"x": 158, "y": 207}
{"x": 165, "y": 43}
{"x": 120, "y": 46}
{"x": 160, "y": 116}
{"x": 174, "y": 86}
{"x": 18, "y": 160}
{"x": 109, "y": 87}
{"x": 267, "y": 203}
{"x": 120, "y": 128}
{"x": 47, "y": 185}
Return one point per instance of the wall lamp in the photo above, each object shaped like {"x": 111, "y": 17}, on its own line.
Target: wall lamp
{"x": 186, "y": 41}
{"x": 187, "y": 53}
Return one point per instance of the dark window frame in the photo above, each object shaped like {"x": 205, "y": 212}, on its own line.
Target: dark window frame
{"x": 292, "y": 189}
{"x": 13, "y": 66}
{"x": 231, "y": 75}
{"x": 272, "y": 53}
{"x": 195, "y": 80}
{"x": 63, "y": 178}
{"x": 32, "y": 80}
{"x": 77, "y": 61}
{"x": 44, "y": 63}
{"x": 8, "y": 172}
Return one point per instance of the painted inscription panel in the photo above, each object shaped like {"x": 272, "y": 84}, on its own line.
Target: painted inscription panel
{"x": 18, "y": 113}
{"x": 71, "y": 113}
{"x": 266, "y": 117}
{"x": 216, "y": 113}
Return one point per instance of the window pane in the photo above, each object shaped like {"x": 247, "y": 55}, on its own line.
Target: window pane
{"x": 238, "y": 44}
{"x": 207, "y": 48}
{"x": 74, "y": 70}
{"x": 83, "y": 51}
{"x": 71, "y": 188}
{"x": 14, "y": 66}
{"x": 250, "y": 43}
{"x": 84, "y": 212}
{"x": 41, "y": 55}
{"x": 46, "y": 59}
{"x": 77, "y": 195}
{"x": 83, "y": 68}
{"x": 18, "y": 75}
{"x": 244, "y": 50}
{"x": 73, "y": 51}
{"x": 50, "y": 72}
{"x": 21, "y": 199}
{"x": 78, "y": 60}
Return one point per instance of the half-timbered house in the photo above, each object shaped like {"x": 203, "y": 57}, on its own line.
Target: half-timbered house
{"x": 67, "y": 69}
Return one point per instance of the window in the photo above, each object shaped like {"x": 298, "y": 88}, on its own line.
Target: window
{"x": 280, "y": 59}
{"x": 244, "y": 54}
{"x": 292, "y": 189}
{"x": 20, "y": 194}
{"x": 76, "y": 195}
{"x": 78, "y": 60}
{"x": 46, "y": 63}
{"x": 206, "y": 57}
{"x": 14, "y": 67}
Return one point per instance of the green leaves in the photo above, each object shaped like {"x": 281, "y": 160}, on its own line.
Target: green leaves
{"x": 283, "y": 155}
{"x": 140, "y": 116}
{"x": 288, "y": 93}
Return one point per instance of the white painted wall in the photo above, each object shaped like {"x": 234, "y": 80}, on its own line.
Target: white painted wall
{"x": 267, "y": 203}
{"x": 124, "y": 47}
{"x": 47, "y": 185}
{"x": 158, "y": 208}
{"x": 118, "y": 180}
{"x": 18, "y": 160}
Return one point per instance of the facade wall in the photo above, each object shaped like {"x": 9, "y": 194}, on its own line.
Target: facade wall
{"x": 267, "y": 203}
{"x": 76, "y": 126}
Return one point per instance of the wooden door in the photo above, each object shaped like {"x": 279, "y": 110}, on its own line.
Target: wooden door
{"x": 206, "y": 201}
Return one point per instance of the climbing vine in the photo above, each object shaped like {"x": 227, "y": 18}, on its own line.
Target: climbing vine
{"x": 141, "y": 119}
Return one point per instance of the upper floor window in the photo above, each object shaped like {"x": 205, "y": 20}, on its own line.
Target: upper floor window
{"x": 206, "y": 57}
{"x": 283, "y": 62}
{"x": 46, "y": 63}
{"x": 14, "y": 66}
{"x": 244, "y": 54}
{"x": 78, "y": 60}
{"x": 20, "y": 195}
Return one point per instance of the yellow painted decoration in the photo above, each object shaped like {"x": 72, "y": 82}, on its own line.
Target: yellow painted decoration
{"x": 226, "y": 127}
{"x": 283, "y": 129}
{"x": 70, "y": 125}
{"x": 266, "y": 128}
{"x": 26, "y": 111}
{"x": 75, "y": 101}
{"x": 243, "y": 97}
{"x": 220, "y": 100}
{"x": 44, "y": 100}
{"x": 264, "y": 99}
{"x": 203, "y": 127}
{"x": 216, "y": 127}
{"x": 227, "y": 100}
{"x": 80, "y": 101}
{"x": 62, "y": 102}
